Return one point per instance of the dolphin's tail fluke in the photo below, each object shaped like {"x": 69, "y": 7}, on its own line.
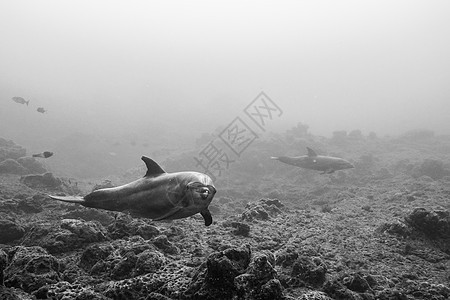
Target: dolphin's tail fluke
{"x": 274, "y": 157}
{"x": 27, "y": 102}
{"x": 69, "y": 199}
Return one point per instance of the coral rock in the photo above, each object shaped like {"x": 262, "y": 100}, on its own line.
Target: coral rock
{"x": 259, "y": 281}
{"x": 310, "y": 271}
{"x": 11, "y": 166}
{"x": 262, "y": 210}
{"x": 30, "y": 268}
{"x": 10, "y": 231}
{"x": 32, "y": 165}
{"x": 46, "y": 180}
{"x": 436, "y": 224}
{"x": 215, "y": 279}
{"x": 163, "y": 243}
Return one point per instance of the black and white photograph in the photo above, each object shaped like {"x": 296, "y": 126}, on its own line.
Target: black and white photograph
{"x": 225, "y": 150}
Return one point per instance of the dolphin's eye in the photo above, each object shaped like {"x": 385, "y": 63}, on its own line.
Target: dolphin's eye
{"x": 204, "y": 192}
{"x": 200, "y": 188}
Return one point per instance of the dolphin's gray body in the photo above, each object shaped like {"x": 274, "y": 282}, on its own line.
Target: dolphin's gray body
{"x": 312, "y": 161}
{"x": 158, "y": 195}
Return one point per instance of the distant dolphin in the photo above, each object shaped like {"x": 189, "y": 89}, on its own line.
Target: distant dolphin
{"x": 158, "y": 195}
{"x": 312, "y": 161}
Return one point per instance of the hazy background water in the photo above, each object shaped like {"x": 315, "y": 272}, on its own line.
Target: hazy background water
{"x": 133, "y": 77}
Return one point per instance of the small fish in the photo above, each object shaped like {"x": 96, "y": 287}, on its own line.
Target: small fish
{"x": 41, "y": 110}
{"x": 45, "y": 154}
{"x": 20, "y": 100}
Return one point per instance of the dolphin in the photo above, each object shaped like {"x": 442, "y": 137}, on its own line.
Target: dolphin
{"x": 158, "y": 195}
{"x": 312, "y": 161}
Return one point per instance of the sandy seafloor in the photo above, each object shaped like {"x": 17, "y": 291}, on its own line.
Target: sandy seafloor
{"x": 378, "y": 231}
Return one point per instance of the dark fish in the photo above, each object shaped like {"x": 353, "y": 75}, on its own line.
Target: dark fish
{"x": 41, "y": 110}
{"x": 158, "y": 195}
{"x": 45, "y": 154}
{"x": 20, "y": 100}
{"x": 312, "y": 161}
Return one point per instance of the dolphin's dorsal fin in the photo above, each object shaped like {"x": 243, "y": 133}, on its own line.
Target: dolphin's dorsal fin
{"x": 311, "y": 152}
{"x": 153, "y": 169}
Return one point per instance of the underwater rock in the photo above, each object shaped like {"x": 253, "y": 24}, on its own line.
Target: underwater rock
{"x": 395, "y": 228}
{"x": 14, "y": 294}
{"x": 157, "y": 296}
{"x": 23, "y": 204}
{"x": 90, "y": 214}
{"x": 132, "y": 289}
{"x": 427, "y": 290}
{"x": 255, "y": 212}
{"x": 435, "y": 224}
{"x": 105, "y": 184}
{"x": 314, "y": 295}
{"x": 307, "y": 271}
{"x": 163, "y": 243}
{"x": 357, "y": 282}
{"x": 339, "y": 137}
{"x": 215, "y": 279}
{"x": 46, "y": 180}
{"x": 355, "y": 134}
{"x": 31, "y": 268}
{"x": 86, "y": 232}
{"x": 10, "y": 150}
{"x": 122, "y": 268}
{"x": 32, "y": 205}
{"x": 262, "y": 209}
{"x": 415, "y": 135}
{"x": 70, "y": 235}
{"x": 122, "y": 259}
{"x": 3, "y": 264}
{"x": 432, "y": 168}
{"x": 391, "y": 294}
{"x": 349, "y": 286}
{"x": 32, "y": 165}
{"x": 338, "y": 291}
{"x": 65, "y": 290}
{"x": 125, "y": 226}
{"x": 10, "y": 231}
{"x": 286, "y": 256}
{"x": 260, "y": 280}
{"x": 11, "y": 166}
{"x": 149, "y": 261}
{"x": 93, "y": 254}
{"x": 240, "y": 228}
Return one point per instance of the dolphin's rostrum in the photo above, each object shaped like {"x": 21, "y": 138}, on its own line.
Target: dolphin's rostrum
{"x": 158, "y": 195}
{"x": 312, "y": 161}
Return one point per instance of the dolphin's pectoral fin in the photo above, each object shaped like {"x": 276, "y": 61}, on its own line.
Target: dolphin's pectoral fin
{"x": 207, "y": 216}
